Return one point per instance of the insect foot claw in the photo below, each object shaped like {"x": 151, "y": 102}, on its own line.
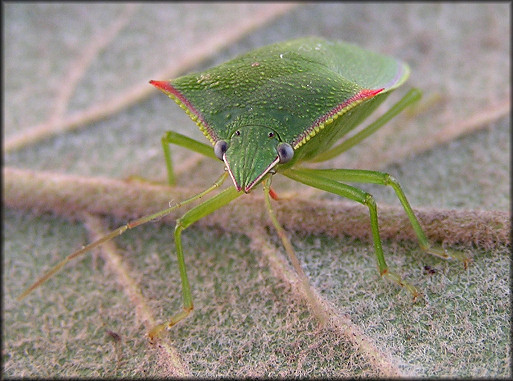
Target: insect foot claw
{"x": 460, "y": 257}
{"x": 155, "y": 332}
{"x": 399, "y": 281}
{"x": 450, "y": 254}
{"x": 417, "y": 296}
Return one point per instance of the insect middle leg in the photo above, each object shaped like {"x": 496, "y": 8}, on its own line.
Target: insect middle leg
{"x": 172, "y": 137}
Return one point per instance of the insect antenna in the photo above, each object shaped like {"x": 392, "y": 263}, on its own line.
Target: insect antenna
{"x": 117, "y": 232}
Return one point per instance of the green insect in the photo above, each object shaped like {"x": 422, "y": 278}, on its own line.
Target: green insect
{"x": 271, "y": 110}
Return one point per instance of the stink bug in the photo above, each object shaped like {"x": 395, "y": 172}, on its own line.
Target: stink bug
{"x": 272, "y": 110}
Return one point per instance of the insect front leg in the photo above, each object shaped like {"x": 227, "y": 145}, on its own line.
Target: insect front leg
{"x": 320, "y": 312}
{"x": 381, "y": 178}
{"x": 118, "y": 232}
{"x": 329, "y": 185}
{"x": 172, "y": 137}
{"x": 193, "y": 215}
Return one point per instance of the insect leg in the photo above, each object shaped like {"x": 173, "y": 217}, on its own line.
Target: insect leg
{"x": 182, "y": 223}
{"x": 118, "y": 232}
{"x": 290, "y": 251}
{"x": 381, "y": 178}
{"x": 329, "y": 185}
{"x": 172, "y": 137}
{"x": 409, "y": 98}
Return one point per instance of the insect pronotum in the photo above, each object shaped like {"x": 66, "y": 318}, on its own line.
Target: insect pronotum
{"x": 272, "y": 110}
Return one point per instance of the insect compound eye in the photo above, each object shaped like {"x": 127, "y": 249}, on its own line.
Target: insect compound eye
{"x": 285, "y": 152}
{"x": 220, "y": 148}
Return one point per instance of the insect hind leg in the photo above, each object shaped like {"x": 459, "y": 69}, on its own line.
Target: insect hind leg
{"x": 409, "y": 98}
